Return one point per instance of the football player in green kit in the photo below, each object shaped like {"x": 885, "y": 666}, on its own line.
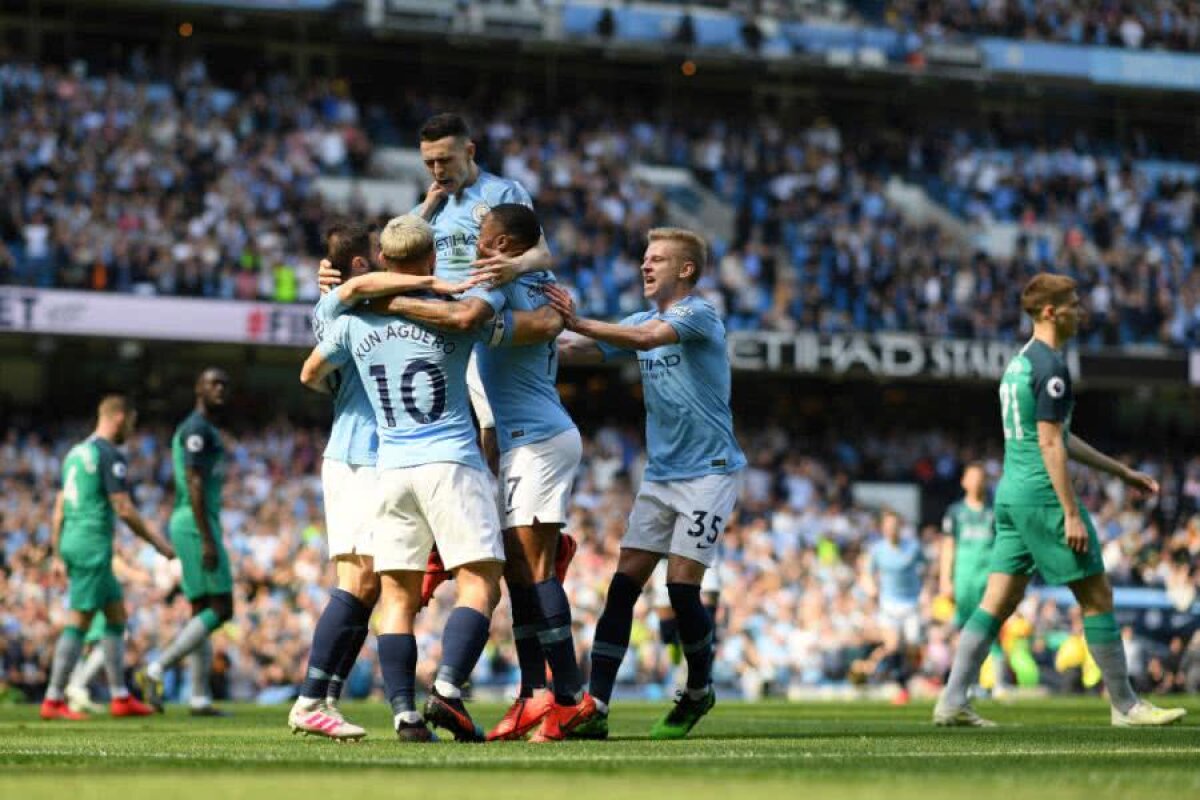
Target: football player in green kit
{"x": 1039, "y": 521}
{"x": 198, "y": 456}
{"x": 94, "y": 492}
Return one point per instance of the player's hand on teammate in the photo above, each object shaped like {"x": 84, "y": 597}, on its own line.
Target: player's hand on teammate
{"x": 497, "y": 270}
{"x": 327, "y": 277}
{"x": 449, "y": 288}
{"x": 208, "y": 555}
{"x": 1077, "y": 535}
{"x": 560, "y": 301}
{"x": 1140, "y": 480}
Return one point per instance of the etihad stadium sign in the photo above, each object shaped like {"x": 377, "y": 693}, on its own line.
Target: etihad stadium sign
{"x": 876, "y": 355}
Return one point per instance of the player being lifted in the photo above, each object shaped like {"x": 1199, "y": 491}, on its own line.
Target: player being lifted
{"x": 691, "y": 480}
{"x": 432, "y": 487}
{"x": 540, "y": 450}
{"x": 1039, "y": 522}
{"x": 94, "y": 490}
{"x": 198, "y": 456}
{"x": 968, "y": 530}
{"x": 348, "y": 481}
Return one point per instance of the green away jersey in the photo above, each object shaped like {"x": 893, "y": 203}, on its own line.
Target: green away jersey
{"x": 973, "y": 531}
{"x": 92, "y": 470}
{"x": 1036, "y": 387}
{"x": 197, "y": 444}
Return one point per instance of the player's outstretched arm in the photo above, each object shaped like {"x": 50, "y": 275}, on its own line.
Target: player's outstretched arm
{"x": 645, "y": 336}
{"x": 1084, "y": 453}
{"x": 574, "y": 349}
{"x": 315, "y": 370}
{"x": 458, "y": 316}
{"x": 385, "y": 284}
{"x": 124, "y": 508}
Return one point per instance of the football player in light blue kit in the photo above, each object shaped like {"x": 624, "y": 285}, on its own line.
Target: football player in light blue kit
{"x": 691, "y": 480}
{"x": 892, "y": 573}
{"x": 431, "y": 486}
{"x": 455, "y": 204}
{"x": 348, "y": 481}
{"x": 540, "y": 450}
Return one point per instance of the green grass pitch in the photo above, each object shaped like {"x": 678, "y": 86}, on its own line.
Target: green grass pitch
{"x": 1062, "y": 748}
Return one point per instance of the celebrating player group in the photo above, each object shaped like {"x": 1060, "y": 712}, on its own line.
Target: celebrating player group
{"x": 450, "y": 319}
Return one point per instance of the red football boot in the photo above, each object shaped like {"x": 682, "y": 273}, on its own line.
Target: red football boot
{"x": 57, "y": 709}
{"x": 567, "y": 546}
{"x": 129, "y": 706}
{"x": 563, "y": 719}
{"x": 522, "y": 716}
{"x": 435, "y": 576}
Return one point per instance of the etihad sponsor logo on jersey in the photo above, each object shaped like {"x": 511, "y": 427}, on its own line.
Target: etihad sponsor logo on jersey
{"x": 455, "y": 242}
{"x": 659, "y": 364}
{"x": 401, "y": 330}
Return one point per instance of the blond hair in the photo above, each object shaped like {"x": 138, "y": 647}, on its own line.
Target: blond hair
{"x": 406, "y": 238}
{"x": 112, "y": 404}
{"x": 692, "y": 247}
{"x": 1046, "y": 289}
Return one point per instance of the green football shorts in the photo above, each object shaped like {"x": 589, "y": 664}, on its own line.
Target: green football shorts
{"x": 1034, "y": 537}
{"x": 197, "y": 582}
{"x": 91, "y": 588}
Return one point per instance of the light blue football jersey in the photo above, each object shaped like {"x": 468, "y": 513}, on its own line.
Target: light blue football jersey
{"x": 416, "y": 379}
{"x": 456, "y": 222}
{"x": 521, "y": 382}
{"x": 353, "y": 438}
{"x": 899, "y": 570}
{"x": 689, "y": 426}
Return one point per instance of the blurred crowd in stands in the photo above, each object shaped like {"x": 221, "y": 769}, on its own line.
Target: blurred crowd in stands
{"x": 183, "y": 188}
{"x": 1163, "y": 25}
{"x": 796, "y": 613}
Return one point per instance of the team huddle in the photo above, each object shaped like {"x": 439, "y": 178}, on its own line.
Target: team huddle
{"x": 451, "y": 319}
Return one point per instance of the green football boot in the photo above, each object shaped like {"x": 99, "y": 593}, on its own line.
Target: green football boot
{"x": 680, "y": 720}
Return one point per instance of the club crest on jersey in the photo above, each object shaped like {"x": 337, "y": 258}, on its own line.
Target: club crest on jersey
{"x": 479, "y": 212}
{"x": 194, "y": 443}
{"x": 1056, "y": 387}
{"x": 119, "y": 470}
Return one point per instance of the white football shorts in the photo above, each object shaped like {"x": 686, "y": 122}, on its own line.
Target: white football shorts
{"x": 536, "y": 480}
{"x": 683, "y": 518}
{"x": 349, "y": 507}
{"x": 479, "y": 399}
{"x": 448, "y": 504}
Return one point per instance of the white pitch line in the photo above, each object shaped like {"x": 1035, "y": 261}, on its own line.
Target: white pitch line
{"x": 499, "y": 759}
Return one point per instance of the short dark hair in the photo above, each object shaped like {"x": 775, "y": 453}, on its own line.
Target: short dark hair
{"x": 344, "y": 241}
{"x": 113, "y": 403}
{"x": 439, "y": 126}
{"x": 1046, "y": 289}
{"x": 519, "y": 222}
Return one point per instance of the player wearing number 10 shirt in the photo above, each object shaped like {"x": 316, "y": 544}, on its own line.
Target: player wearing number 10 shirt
{"x": 430, "y": 483}
{"x": 691, "y": 481}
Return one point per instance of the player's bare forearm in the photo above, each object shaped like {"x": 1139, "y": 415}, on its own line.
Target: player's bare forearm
{"x": 536, "y": 258}
{"x": 1054, "y": 456}
{"x": 56, "y": 523}
{"x": 452, "y": 317}
{"x": 195, "y": 487}
{"x": 125, "y": 509}
{"x": 535, "y": 327}
{"x": 382, "y": 284}
{"x": 946, "y": 567}
{"x": 646, "y": 336}
{"x": 579, "y": 350}
{"x": 315, "y": 371}
{"x": 1084, "y": 453}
